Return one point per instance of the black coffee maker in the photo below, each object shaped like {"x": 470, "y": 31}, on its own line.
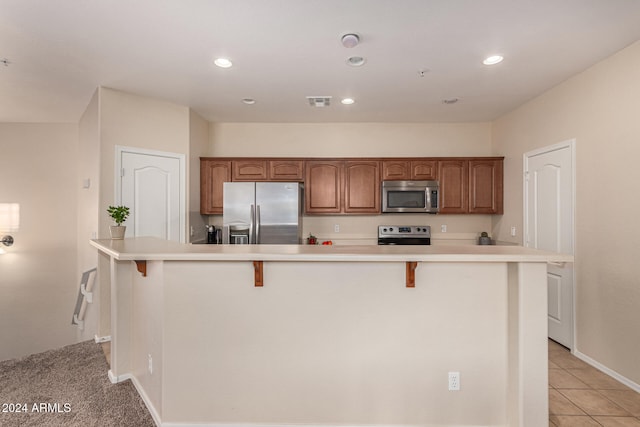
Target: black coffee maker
{"x": 213, "y": 234}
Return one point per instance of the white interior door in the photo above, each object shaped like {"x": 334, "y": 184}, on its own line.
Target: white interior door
{"x": 151, "y": 186}
{"x": 549, "y": 225}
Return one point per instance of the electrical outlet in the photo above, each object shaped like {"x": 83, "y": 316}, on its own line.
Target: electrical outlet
{"x": 443, "y": 228}
{"x": 513, "y": 230}
{"x": 150, "y": 364}
{"x": 454, "y": 381}
{"x": 336, "y": 228}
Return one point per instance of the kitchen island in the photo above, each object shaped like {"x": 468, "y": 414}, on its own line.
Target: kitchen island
{"x": 330, "y": 335}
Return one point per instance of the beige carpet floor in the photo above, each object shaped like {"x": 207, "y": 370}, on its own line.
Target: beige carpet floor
{"x": 67, "y": 387}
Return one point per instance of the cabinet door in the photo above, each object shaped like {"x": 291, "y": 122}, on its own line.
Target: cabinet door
{"x": 424, "y": 169}
{"x": 286, "y": 170}
{"x": 485, "y": 186}
{"x": 249, "y": 170}
{"x": 395, "y": 170}
{"x": 213, "y": 174}
{"x": 454, "y": 193}
{"x": 323, "y": 186}
{"x": 362, "y": 187}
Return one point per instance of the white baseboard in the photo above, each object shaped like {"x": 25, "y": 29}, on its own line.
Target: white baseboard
{"x": 305, "y": 425}
{"x": 147, "y": 402}
{"x": 624, "y": 380}
{"x": 99, "y": 340}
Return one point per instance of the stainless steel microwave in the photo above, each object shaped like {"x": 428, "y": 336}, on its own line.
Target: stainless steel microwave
{"x": 410, "y": 196}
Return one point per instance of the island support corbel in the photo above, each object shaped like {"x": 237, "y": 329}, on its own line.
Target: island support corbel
{"x": 411, "y": 274}
{"x": 258, "y": 269}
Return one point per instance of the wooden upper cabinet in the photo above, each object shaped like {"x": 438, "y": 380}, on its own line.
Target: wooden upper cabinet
{"x": 342, "y": 186}
{"x": 323, "y": 186}
{"x": 362, "y": 187}
{"x": 213, "y": 174}
{"x": 454, "y": 177}
{"x": 286, "y": 170}
{"x": 398, "y": 170}
{"x": 267, "y": 170}
{"x": 486, "y": 186}
{"x": 424, "y": 170}
{"x": 468, "y": 185}
{"x": 250, "y": 170}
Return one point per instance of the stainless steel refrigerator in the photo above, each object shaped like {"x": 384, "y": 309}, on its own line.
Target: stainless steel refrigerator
{"x": 262, "y": 212}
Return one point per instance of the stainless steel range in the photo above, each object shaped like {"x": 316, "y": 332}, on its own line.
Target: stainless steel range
{"x": 404, "y": 235}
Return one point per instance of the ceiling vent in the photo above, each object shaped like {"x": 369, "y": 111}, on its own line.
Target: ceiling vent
{"x": 319, "y": 101}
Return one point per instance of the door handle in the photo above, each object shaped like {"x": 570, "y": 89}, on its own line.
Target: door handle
{"x": 252, "y": 220}
{"x": 557, "y": 264}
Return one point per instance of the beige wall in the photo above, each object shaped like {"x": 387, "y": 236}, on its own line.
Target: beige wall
{"x": 599, "y": 108}
{"x": 361, "y": 140}
{"x": 38, "y": 281}
{"x": 198, "y": 147}
{"x": 88, "y": 168}
{"x": 350, "y": 139}
{"x": 135, "y": 121}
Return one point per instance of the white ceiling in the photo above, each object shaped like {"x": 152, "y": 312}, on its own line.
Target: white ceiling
{"x": 284, "y": 50}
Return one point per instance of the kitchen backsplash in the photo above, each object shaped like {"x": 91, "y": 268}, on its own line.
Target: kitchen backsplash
{"x": 349, "y": 229}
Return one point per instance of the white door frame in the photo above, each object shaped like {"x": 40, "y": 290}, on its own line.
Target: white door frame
{"x": 571, "y": 144}
{"x": 183, "y": 175}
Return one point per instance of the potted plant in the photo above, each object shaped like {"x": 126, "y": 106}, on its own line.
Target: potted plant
{"x": 484, "y": 239}
{"x": 312, "y": 240}
{"x": 119, "y": 215}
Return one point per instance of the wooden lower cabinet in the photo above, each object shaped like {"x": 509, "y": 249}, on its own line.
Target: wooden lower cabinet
{"x": 335, "y": 187}
{"x": 213, "y": 175}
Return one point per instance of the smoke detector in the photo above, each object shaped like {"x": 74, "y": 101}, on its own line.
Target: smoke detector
{"x": 319, "y": 101}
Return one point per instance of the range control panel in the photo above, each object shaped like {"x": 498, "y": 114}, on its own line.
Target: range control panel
{"x": 404, "y": 231}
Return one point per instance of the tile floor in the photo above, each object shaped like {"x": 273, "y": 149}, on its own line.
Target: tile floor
{"x": 579, "y": 394}
{"x": 582, "y": 396}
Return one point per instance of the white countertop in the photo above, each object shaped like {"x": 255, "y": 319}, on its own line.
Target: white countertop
{"x": 150, "y": 248}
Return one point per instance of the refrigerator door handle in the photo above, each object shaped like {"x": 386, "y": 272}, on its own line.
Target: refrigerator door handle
{"x": 257, "y": 224}
{"x": 252, "y": 221}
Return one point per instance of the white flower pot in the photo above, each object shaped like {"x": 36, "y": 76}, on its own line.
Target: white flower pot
{"x": 117, "y": 231}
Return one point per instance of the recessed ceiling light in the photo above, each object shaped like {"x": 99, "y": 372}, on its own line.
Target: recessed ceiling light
{"x": 223, "y": 62}
{"x": 348, "y": 101}
{"x": 249, "y": 101}
{"x": 355, "y": 61}
{"x": 493, "y": 60}
{"x": 350, "y": 40}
